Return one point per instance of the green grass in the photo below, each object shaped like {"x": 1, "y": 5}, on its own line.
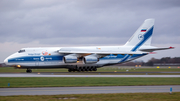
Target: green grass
{"x": 140, "y": 69}
{"x": 103, "y": 69}
{"x": 14, "y": 70}
{"x": 97, "y": 97}
{"x": 83, "y": 81}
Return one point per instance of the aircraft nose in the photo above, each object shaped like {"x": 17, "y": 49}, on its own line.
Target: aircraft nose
{"x": 6, "y": 61}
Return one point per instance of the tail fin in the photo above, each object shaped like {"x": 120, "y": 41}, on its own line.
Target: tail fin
{"x": 142, "y": 36}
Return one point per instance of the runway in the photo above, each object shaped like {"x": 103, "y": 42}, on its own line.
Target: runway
{"x": 52, "y": 75}
{"x": 99, "y": 72}
{"x": 87, "y": 90}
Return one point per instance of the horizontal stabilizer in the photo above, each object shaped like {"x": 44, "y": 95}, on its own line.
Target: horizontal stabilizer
{"x": 155, "y": 49}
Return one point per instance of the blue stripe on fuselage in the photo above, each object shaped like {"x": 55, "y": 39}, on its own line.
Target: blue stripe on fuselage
{"x": 35, "y": 58}
{"x": 125, "y": 58}
{"x": 111, "y": 56}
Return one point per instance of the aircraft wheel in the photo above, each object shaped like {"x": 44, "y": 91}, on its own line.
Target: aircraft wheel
{"x": 69, "y": 70}
{"x": 79, "y": 70}
{"x": 28, "y": 71}
{"x": 95, "y": 69}
{"x": 82, "y": 70}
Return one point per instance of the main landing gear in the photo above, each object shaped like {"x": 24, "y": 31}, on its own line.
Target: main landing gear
{"x": 28, "y": 70}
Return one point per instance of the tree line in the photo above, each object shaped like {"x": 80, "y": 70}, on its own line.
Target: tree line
{"x": 164, "y": 60}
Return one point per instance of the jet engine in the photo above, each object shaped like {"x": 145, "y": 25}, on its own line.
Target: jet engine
{"x": 70, "y": 59}
{"x": 90, "y": 59}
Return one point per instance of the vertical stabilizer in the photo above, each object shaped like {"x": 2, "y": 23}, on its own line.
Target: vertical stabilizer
{"x": 142, "y": 36}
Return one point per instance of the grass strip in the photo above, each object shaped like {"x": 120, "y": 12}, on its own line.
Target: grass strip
{"x": 97, "y": 97}
{"x": 83, "y": 81}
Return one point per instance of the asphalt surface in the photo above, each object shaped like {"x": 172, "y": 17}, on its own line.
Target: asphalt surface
{"x": 98, "y": 72}
{"x": 87, "y": 90}
{"x": 52, "y": 75}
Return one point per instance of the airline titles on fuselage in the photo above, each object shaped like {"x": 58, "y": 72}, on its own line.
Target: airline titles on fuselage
{"x": 34, "y": 54}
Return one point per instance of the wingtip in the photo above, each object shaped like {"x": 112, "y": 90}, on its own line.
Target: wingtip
{"x": 152, "y": 53}
{"x": 171, "y": 47}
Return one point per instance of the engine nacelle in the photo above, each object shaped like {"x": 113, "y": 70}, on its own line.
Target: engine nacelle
{"x": 70, "y": 59}
{"x": 90, "y": 59}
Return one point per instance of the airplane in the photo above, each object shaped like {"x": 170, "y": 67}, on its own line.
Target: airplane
{"x": 86, "y": 58}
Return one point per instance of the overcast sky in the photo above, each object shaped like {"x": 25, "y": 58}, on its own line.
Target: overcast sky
{"x": 44, "y": 23}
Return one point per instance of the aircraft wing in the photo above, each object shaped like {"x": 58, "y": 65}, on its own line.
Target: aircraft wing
{"x": 100, "y": 52}
{"x": 155, "y": 49}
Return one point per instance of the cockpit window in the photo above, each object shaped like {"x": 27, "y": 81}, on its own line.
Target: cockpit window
{"x": 20, "y": 51}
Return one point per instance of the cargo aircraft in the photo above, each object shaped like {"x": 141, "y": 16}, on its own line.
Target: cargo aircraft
{"x": 86, "y": 58}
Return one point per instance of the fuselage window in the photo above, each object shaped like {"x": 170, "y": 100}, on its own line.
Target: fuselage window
{"x": 20, "y": 51}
